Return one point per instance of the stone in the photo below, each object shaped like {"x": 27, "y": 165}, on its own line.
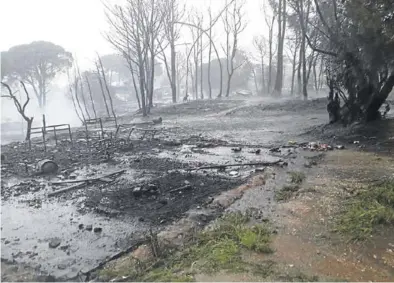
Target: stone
{"x": 236, "y": 149}
{"x": 6, "y": 242}
{"x": 234, "y": 173}
{"x": 54, "y": 243}
{"x": 97, "y": 229}
{"x": 72, "y": 176}
{"x": 64, "y": 247}
{"x": 80, "y": 226}
{"x": 152, "y": 187}
{"x": 89, "y": 227}
{"x": 137, "y": 192}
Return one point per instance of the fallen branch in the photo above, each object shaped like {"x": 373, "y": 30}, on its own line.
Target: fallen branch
{"x": 104, "y": 177}
{"x": 73, "y": 187}
{"x": 184, "y": 188}
{"x": 266, "y": 163}
{"x": 147, "y": 130}
{"x": 106, "y": 180}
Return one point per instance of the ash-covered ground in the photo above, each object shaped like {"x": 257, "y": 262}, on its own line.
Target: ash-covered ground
{"x": 68, "y": 233}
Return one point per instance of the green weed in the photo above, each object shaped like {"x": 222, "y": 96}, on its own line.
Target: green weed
{"x": 368, "y": 210}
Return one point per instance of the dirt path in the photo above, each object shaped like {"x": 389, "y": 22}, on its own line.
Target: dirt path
{"x": 306, "y": 240}
{"x": 306, "y": 246}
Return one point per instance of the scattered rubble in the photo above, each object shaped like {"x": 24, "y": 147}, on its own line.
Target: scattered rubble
{"x": 155, "y": 190}
{"x": 21, "y": 188}
{"x": 234, "y": 173}
{"x": 157, "y": 121}
{"x": 54, "y": 243}
{"x": 97, "y": 229}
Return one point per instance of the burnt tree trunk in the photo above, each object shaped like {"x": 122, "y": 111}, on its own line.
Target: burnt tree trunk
{"x": 173, "y": 73}
{"x": 281, "y": 37}
{"x": 333, "y": 106}
{"x": 377, "y": 99}
{"x": 29, "y": 125}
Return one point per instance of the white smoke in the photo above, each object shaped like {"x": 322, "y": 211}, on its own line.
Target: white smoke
{"x": 59, "y": 110}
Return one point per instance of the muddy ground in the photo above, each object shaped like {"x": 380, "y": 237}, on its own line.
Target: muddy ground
{"x": 65, "y": 236}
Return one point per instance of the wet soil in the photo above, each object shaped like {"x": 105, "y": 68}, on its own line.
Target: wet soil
{"x": 377, "y": 136}
{"x": 307, "y": 239}
{"x": 195, "y": 134}
{"x": 163, "y": 205}
{"x": 31, "y": 219}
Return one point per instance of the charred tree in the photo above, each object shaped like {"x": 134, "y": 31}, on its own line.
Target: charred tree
{"x": 234, "y": 24}
{"x": 19, "y": 107}
{"x": 281, "y": 39}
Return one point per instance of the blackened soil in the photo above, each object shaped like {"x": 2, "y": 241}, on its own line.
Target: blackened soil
{"x": 156, "y": 164}
{"x": 20, "y": 160}
{"x": 377, "y": 136}
{"x": 164, "y": 203}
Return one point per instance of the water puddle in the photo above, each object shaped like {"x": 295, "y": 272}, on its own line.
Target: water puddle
{"x": 220, "y": 155}
{"x": 27, "y": 232}
{"x": 32, "y": 221}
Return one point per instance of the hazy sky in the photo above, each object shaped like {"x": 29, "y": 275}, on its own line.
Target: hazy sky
{"x": 77, "y": 25}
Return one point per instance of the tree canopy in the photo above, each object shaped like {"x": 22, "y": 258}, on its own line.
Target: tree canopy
{"x": 357, "y": 39}
{"x": 242, "y": 73}
{"x": 118, "y": 64}
{"x": 37, "y": 64}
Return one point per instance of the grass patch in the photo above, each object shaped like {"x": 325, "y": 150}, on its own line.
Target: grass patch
{"x": 296, "y": 177}
{"x": 286, "y": 192}
{"x": 219, "y": 248}
{"x": 298, "y": 277}
{"x": 365, "y": 212}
